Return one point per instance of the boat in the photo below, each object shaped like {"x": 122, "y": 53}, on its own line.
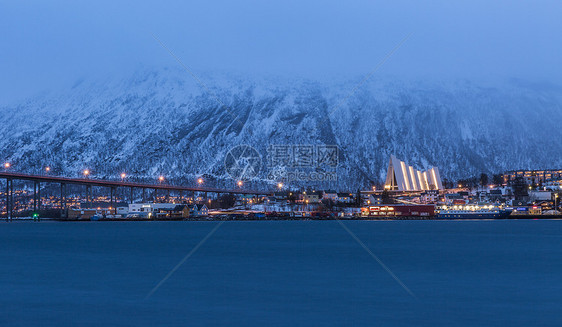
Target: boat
{"x": 472, "y": 212}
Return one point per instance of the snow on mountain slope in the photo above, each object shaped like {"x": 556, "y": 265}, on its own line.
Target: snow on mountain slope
{"x": 162, "y": 122}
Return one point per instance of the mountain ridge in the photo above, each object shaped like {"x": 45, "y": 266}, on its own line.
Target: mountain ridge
{"x": 162, "y": 122}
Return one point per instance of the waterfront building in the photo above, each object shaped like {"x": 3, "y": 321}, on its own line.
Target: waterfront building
{"x": 429, "y": 196}
{"x": 198, "y": 210}
{"x": 282, "y": 195}
{"x": 310, "y": 197}
{"x": 179, "y": 211}
{"x": 344, "y": 197}
{"x": 330, "y": 195}
{"x": 374, "y": 199}
{"x": 495, "y": 195}
{"x": 122, "y": 211}
{"x": 456, "y": 199}
{"x": 135, "y": 208}
{"x": 533, "y": 177}
{"x": 399, "y": 210}
{"x": 555, "y": 185}
{"x": 87, "y": 214}
{"x": 401, "y": 177}
{"x": 540, "y": 196}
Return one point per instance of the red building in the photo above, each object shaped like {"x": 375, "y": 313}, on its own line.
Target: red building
{"x": 401, "y": 210}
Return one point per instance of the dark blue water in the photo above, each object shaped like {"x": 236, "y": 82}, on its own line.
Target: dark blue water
{"x": 297, "y": 273}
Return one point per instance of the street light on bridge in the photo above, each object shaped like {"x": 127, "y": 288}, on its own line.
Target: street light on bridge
{"x": 161, "y": 179}
{"x": 47, "y": 169}
{"x": 123, "y": 176}
{"x": 240, "y": 183}
{"x": 7, "y": 165}
{"x": 280, "y": 185}
{"x": 200, "y": 181}
{"x": 86, "y": 173}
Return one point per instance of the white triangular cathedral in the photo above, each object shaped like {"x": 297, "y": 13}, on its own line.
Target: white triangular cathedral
{"x": 401, "y": 177}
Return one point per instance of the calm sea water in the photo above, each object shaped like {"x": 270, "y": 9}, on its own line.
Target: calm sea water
{"x": 290, "y": 273}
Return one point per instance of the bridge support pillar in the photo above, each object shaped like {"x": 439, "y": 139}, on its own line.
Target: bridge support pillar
{"x": 88, "y": 196}
{"x": 111, "y": 202}
{"x": 63, "y": 200}
{"x": 34, "y": 196}
{"x": 38, "y": 196}
{"x": 9, "y": 199}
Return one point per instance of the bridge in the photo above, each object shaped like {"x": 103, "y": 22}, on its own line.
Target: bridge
{"x": 111, "y": 184}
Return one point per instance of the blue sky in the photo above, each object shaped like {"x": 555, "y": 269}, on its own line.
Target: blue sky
{"x": 49, "y": 44}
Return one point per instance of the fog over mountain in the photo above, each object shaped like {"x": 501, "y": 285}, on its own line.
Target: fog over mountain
{"x": 159, "y": 121}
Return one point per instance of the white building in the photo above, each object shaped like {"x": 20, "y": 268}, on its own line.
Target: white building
{"x": 401, "y": 177}
{"x": 135, "y": 208}
{"x": 540, "y": 195}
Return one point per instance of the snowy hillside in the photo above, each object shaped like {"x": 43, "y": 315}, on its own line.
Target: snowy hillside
{"x": 162, "y": 122}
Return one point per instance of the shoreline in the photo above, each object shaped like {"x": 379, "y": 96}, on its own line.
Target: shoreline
{"x": 282, "y": 218}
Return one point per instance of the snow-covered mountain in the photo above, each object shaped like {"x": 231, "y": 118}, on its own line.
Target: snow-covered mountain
{"x": 163, "y": 122}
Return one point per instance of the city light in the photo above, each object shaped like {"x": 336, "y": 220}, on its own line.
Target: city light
{"x": 123, "y": 175}
{"x": 7, "y": 165}
{"x": 240, "y": 183}
{"x": 200, "y": 181}
{"x": 280, "y": 185}
{"x": 86, "y": 172}
{"x": 47, "y": 169}
{"x": 161, "y": 179}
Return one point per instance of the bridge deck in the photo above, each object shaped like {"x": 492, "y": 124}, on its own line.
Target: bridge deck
{"x": 109, "y": 183}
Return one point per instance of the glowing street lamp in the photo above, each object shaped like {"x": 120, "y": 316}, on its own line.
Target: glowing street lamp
{"x": 123, "y": 176}
{"x": 161, "y": 179}
{"x": 7, "y": 165}
{"x": 200, "y": 181}
{"x": 86, "y": 173}
{"x": 280, "y": 185}
{"x": 47, "y": 169}
{"x": 240, "y": 183}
